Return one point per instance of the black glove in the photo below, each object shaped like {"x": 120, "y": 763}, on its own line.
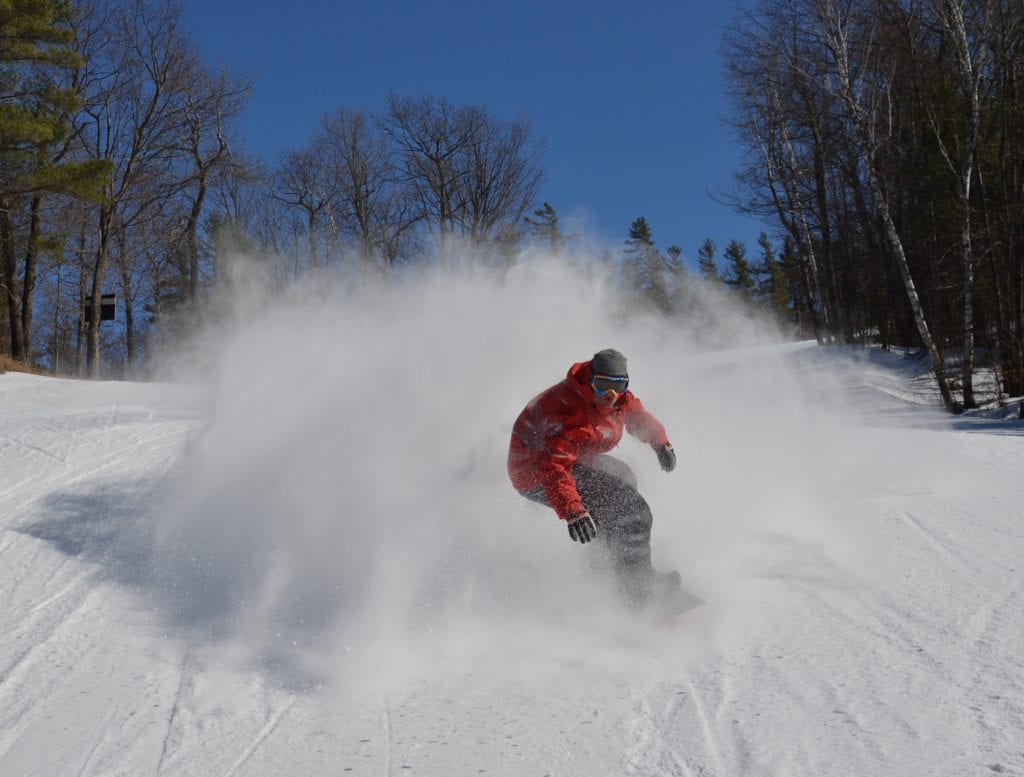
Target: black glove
{"x": 582, "y": 528}
{"x": 666, "y": 456}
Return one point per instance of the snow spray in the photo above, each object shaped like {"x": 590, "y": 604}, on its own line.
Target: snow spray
{"x": 348, "y": 502}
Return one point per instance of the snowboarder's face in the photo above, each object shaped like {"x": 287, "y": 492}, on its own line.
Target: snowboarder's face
{"x": 608, "y": 388}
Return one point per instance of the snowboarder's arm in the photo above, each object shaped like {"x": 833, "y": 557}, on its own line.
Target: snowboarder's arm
{"x": 556, "y": 466}
{"x": 644, "y": 426}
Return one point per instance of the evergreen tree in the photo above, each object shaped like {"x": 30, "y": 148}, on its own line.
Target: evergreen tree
{"x": 797, "y": 286}
{"x": 706, "y": 260}
{"x": 673, "y": 261}
{"x": 645, "y": 268}
{"x": 545, "y": 226}
{"x": 35, "y": 111}
{"x": 771, "y": 288}
{"x": 677, "y": 277}
{"x": 641, "y": 238}
{"x": 741, "y": 275}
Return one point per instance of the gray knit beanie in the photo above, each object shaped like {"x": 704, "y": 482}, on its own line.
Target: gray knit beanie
{"x": 610, "y": 362}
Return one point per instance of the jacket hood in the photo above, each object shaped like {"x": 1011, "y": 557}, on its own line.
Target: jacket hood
{"x": 580, "y": 373}
{"x": 579, "y": 376}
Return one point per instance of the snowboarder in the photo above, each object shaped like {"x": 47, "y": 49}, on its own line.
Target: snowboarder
{"x": 558, "y": 457}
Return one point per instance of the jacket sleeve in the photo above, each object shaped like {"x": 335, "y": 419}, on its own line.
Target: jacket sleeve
{"x": 556, "y": 465}
{"x": 644, "y": 426}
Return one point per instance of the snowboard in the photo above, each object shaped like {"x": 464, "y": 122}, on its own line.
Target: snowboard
{"x": 672, "y": 604}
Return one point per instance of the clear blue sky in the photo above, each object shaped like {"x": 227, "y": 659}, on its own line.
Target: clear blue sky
{"x": 628, "y": 97}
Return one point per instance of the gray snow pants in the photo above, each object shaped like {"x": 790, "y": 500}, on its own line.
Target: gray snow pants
{"x": 623, "y": 517}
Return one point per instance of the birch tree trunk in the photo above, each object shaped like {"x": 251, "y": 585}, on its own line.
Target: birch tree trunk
{"x": 960, "y": 158}
{"x": 920, "y": 320}
{"x": 791, "y": 213}
{"x": 864, "y": 98}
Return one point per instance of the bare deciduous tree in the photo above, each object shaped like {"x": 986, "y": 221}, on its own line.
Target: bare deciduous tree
{"x": 304, "y": 182}
{"x": 850, "y": 111}
{"x": 140, "y": 66}
{"x": 969, "y": 34}
{"x": 472, "y": 176}
{"x": 373, "y": 209}
{"x": 211, "y": 105}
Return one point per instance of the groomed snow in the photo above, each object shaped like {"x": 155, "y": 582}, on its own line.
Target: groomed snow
{"x": 283, "y": 577}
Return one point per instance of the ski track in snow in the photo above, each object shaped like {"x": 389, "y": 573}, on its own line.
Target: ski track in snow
{"x": 273, "y": 719}
{"x": 165, "y": 746}
{"x": 908, "y": 660}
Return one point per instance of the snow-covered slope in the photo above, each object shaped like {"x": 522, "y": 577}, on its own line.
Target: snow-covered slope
{"x": 864, "y": 569}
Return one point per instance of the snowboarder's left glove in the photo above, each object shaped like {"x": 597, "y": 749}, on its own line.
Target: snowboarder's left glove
{"x": 582, "y": 527}
{"x": 666, "y": 456}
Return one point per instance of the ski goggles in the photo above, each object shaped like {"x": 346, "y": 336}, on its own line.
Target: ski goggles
{"x": 602, "y": 384}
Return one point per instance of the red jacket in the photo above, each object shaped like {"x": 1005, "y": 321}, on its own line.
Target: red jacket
{"x": 563, "y": 425}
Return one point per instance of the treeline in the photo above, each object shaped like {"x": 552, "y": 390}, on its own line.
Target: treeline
{"x": 652, "y": 279}
{"x": 114, "y": 135}
{"x": 122, "y": 169}
{"x": 886, "y": 139}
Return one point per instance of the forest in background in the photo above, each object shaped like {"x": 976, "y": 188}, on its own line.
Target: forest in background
{"x": 886, "y": 139}
{"x": 884, "y": 152}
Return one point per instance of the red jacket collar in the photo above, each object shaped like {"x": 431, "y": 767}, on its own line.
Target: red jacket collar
{"x": 579, "y": 377}
{"x": 579, "y": 374}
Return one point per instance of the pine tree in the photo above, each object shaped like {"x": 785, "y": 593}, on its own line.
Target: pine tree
{"x": 545, "y": 226}
{"x": 645, "y": 268}
{"x": 35, "y": 111}
{"x": 35, "y": 39}
{"x": 639, "y": 242}
{"x": 741, "y": 275}
{"x": 677, "y": 277}
{"x": 706, "y": 260}
{"x": 673, "y": 261}
{"x": 771, "y": 289}
{"x": 798, "y": 287}
{"x": 641, "y": 238}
